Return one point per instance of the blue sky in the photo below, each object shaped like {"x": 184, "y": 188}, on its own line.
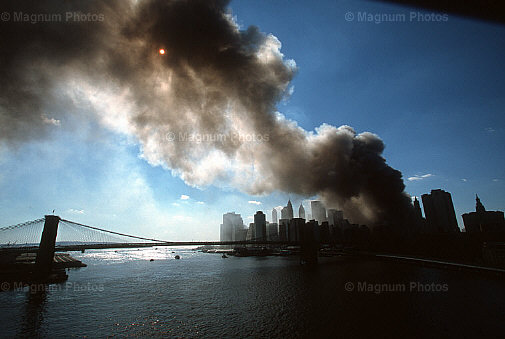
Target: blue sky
{"x": 434, "y": 92}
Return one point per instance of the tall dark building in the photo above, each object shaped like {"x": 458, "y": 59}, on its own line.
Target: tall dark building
{"x": 272, "y": 232}
{"x": 482, "y": 220}
{"x": 417, "y": 209}
{"x": 260, "y": 225}
{"x": 295, "y": 226}
{"x": 439, "y": 211}
{"x": 283, "y": 229}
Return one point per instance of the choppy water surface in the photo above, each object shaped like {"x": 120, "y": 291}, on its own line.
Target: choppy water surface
{"x": 123, "y": 293}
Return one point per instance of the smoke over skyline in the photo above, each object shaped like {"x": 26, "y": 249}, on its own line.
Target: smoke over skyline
{"x": 213, "y": 79}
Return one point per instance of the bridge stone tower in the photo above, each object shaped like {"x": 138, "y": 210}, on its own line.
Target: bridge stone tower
{"x": 45, "y": 255}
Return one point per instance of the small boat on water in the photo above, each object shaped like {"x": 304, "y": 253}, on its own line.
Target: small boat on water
{"x": 224, "y": 256}
{"x": 177, "y": 257}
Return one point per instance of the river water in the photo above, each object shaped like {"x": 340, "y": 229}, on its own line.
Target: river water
{"x": 123, "y": 293}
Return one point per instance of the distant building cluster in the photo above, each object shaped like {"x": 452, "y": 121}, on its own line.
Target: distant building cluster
{"x": 325, "y": 226}
{"x": 329, "y": 225}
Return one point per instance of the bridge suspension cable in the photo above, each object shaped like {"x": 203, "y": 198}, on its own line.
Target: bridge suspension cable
{"x": 112, "y": 232}
{"x": 23, "y": 224}
{"x": 22, "y": 234}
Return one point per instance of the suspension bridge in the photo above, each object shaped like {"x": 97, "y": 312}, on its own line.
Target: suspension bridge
{"x": 73, "y": 236}
{"x": 47, "y": 235}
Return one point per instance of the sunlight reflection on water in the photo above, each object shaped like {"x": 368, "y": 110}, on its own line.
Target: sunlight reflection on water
{"x": 115, "y": 256}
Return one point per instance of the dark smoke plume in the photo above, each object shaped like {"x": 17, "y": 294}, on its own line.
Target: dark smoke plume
{"x": 206, "y": 108}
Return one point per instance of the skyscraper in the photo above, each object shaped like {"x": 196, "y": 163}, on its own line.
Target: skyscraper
{"x": 295, "y": 226}
{"x": 287, "y": 211}
{"x": 335, "y": 216}
{"x": 301, "y": 212}
{"x": 272, "y": 232}
{"x": 318, "y": 211}
{"x": 232, "y": 227}
{"x": 439, "y": 211}
{"x": 284, "y": 213}
{"x": 274, "y": 216}
{"x": 251, "y": 232}
{"x": 290, "y": 210}
{"x": 283, "y": 229}
{"x": 417, "y": 209}
{"x": 260, "y": 225}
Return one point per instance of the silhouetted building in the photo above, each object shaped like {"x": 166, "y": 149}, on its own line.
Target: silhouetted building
{"x": 294, "y": 228}
{"x": 272, "y": 232}
{"x": 301, "y": 212}
{"x": 310, "y": 232}
{"x": 275, "y": 218}
{"x": 417, "y": 209}
{"x": 324, "y": 231}
{"x": 335, "y": 216}
{"x": 418, "y": 222}
{"x": 482, "y": 220}
{"x": 260, "y": 225}
{"x": 283, "y": 229}
{"x": 439, "y": 211}
{"x": 318, "y": 211}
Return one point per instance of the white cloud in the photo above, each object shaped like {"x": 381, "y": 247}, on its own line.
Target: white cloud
{"x": 420, "y": 177}
{"x": 50, "y": 121}
{"x": 490, "y": 130}
{"x": 254, "y": 202}
{"x": 74, "y": 211}
{"x": 496, "y": 180}
{"x": 464, "y": 180}
{"x": 184, "y": 197}
{"x": 176, "y": 204}
{"x": 200, "y": 202}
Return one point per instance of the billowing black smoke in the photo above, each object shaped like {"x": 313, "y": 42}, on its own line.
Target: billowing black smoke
{"x": 206, "y": 108}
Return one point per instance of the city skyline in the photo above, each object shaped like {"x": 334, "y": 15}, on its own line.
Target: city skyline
{"x": 94, "y": 171}
{"x": 436, "y": 216}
